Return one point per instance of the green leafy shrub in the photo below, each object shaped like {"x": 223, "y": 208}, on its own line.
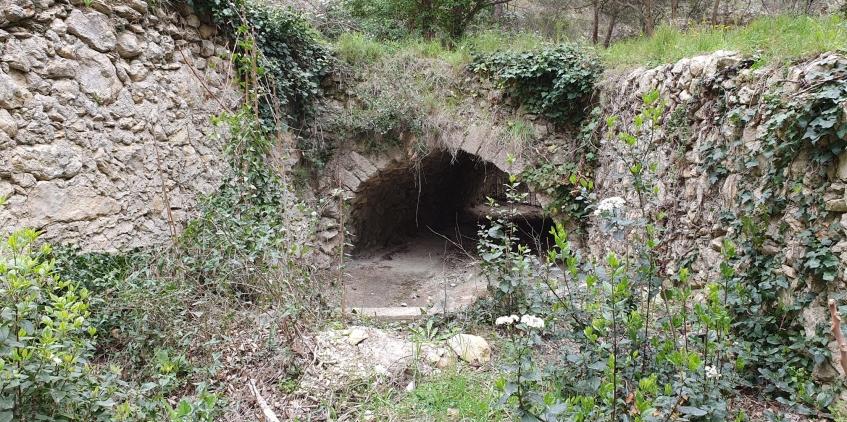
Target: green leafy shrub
{"x": 565, "y": 184}
{"x": 244, "y": 230}
{"x": 162, "y": 312}
{"x": 381, "y": 122}
{"x": 553, "y": 81}
{"x": 45, "y": 339}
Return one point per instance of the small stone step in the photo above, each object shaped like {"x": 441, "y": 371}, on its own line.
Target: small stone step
{"x": 394, "y": 313}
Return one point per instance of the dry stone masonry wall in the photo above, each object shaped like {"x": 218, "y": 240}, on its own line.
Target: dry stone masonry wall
{"x": 105, "y": 132}
{"x": 717, "y": 114}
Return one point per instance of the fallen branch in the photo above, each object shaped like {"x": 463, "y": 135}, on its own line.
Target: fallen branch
{"x": 839, "y": 335}
{"x": 270, "y": 416}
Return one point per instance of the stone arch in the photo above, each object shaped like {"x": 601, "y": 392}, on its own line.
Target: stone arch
{"x": 458, "y": 161}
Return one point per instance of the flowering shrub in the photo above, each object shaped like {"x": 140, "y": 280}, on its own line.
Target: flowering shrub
{"x": 645, "y": 346}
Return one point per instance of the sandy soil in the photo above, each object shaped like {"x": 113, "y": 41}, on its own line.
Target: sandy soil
{"x": 428, "y": 272}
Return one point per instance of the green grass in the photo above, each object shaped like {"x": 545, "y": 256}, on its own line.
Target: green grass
{"x": 493, "y": 41}
{"x": 357, "y": 48}
{"x": 451, "y": 395}
{"x": 774, "y": 39}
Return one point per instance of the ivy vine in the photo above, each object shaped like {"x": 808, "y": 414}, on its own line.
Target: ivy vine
{"x": 809, "y": 124}
{"x": 292, "y": 62}
{"x": 554, "y": 81}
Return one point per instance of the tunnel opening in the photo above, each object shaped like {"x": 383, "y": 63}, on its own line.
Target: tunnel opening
{"x": 443, "y": 194}
{"x": 415, "y": 228}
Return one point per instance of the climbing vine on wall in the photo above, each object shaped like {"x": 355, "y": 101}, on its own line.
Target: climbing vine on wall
{"x": 570, "y": 184}
{"x": 553, "y": 81}
{"x": 288, "y": 64}
{"x": 787, "y": 206}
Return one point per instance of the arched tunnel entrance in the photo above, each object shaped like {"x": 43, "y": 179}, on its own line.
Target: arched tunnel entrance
{"x": 414, "y": 229}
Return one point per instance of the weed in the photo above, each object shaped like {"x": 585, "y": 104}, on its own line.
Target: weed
{"x": 454, "y": 394}
{"x": 357, "y": 49}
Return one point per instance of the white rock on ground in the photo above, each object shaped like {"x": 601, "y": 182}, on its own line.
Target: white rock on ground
{"x": 378, "y": 356}
{"x": 470, "y": 348}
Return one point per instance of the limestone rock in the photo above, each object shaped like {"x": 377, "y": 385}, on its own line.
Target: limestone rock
{"x": 16, "y": 57}
{"x": 11, "y": 94}
{"x": 127, "y": 13}
{"x": 48, "y": 202}
{"x": 357, "y": 335}
{"x": 15, "y": 13}
{"x": 8, "y": 124}
{"x": 207, "y": 31}
{"x": 207, "y": 48}
{"x": 384, "y": 357}
{"x": 837, "y": 205}
{"x": 440, "y": 358}
{"x": 841, "y": 171}
{"x": 57, "y": 160}
{"x": 97, "y": 76}
{"x": 192, "y": 21}
{"x": 139, "y": 6}
{"x": 128, "y": 45}
{"x": 60, "y": 68}
{"x": 93, "y": 28}
{"x": 470, "y": 348}
{"x": 6, "y": 189}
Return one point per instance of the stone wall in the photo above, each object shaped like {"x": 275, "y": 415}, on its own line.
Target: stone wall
{"x": 105, "y": 132}
{"x": 720, "y": 100}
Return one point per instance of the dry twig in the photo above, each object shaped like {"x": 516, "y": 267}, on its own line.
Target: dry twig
{"x": 270, "y": 416}
{"x": 838, "y": 334}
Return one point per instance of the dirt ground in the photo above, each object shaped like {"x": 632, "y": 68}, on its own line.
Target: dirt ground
{"x": 429, "y": 272}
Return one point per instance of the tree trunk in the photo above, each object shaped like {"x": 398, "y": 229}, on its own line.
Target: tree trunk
{"x": 612, "y": 21}
{"x": 648, "y": 17}
{"x": 426, "y": 18}
{"x": 674, "y": 7}
{"x": 715, "y": 8}
{"x": 595, "y": 24}
{"x": 498, "y": 10}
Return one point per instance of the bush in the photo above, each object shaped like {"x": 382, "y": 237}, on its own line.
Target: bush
{"x": 643, "y": 346}
{"x": 553, "y": 81}
{"x": 45, "y": 339}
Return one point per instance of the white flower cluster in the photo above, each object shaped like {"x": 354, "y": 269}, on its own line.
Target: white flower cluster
{"x": 506, "y": 320}
{"x": 712, "y": 372}
{"x": 531, "y": 321}
{"x": 609, "y": 205}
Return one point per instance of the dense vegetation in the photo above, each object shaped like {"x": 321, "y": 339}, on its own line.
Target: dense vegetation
{"x": 138, "y": 335}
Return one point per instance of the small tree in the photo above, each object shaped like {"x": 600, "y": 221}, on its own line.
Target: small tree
{"x": 45, "y": 339}
{"x": 451, "y": 18}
